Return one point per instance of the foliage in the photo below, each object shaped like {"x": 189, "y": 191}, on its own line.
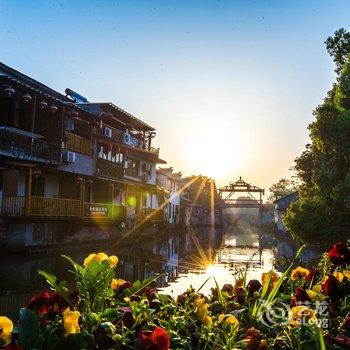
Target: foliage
{"x": 324, "y": 167}
{"x": 281, "y": 188}
{"x": 278, "y": 312}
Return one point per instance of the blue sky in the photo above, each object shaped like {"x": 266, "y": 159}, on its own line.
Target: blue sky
{"x": 229, "y": 85}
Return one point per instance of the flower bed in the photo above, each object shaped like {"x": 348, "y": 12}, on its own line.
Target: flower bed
{"x": 304, "y": 308}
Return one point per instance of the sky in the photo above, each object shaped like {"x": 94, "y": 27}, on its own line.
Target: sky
{"x": 230, "y": 86}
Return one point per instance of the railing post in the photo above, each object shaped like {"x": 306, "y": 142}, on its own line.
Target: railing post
{"x": 29, "y": 191}
{"x": 82, "y": 183}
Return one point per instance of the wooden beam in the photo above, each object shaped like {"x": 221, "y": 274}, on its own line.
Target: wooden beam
{"x": 29, "y": 191}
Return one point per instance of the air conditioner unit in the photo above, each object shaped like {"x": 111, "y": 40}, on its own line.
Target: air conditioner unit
{"x": 70, "y": 157}
{"x": 107, "y": 132}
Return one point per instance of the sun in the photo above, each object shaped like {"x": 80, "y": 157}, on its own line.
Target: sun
{"x": 214, "y": 155}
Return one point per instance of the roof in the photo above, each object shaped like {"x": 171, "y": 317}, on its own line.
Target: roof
{"x": 13, "y": 76}
{"x": 123, "y": 116}
{"x": 169, "y": 173}
{"x": 284, "y": 202}
{"x": 19, "y": 77}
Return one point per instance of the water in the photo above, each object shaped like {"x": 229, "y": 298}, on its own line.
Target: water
{"x": 180, "y": 258}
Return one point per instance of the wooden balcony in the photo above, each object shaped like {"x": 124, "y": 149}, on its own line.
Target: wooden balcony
{"x": 17, "y": 206}
{"x": 78, "y": 144}
{"x": 153, "y": 214}
{"x": 55, "y": 207}
{"x": 52, "y": 208}
{"x": 109, "y": 169}
{"x": 20, "y": 144}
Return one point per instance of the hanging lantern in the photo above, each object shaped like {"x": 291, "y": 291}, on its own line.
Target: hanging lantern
{"x": 42, "y": 104}
{"x": 109, "y": 147}
{"x": 53, "y": 108}
{"x": 95, "y": 122}
{"x": 74, "y": 114}
{"x": 27, "y": 98}
{"x": 9, "y": 91}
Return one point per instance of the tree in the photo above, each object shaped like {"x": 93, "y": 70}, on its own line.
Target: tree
{"x": 322, "y": 213}
{"x": 281, "y": 188}
{"x": 338, "y": 47}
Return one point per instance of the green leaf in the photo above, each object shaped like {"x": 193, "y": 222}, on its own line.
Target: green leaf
{"x": 29, "y": 330}
{"x": 221, "y": 300}
{"x": 204, "y": 283}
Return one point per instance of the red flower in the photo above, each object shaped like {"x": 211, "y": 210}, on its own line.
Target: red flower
{"x": 151, "y": 293}
{"x": 330, "y": 286}
{"x": 253, "y": 286}
{"x": 156, "y": 340}
{"x": 313, "y": 274}
{"x": 300, "y": 297}
{"x": 339, "y": 254}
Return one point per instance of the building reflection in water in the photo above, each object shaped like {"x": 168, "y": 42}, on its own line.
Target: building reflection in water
{"x": 181, "y": 259}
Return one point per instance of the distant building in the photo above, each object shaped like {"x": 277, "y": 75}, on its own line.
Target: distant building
{"x": 170, "y": 183}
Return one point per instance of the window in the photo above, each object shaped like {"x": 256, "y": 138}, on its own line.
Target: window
{"x": 133, "y": 167}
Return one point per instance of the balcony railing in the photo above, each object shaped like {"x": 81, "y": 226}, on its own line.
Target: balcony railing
{"x": 20, "y": 145}
{"x": 153, "y": 214}
{"x": 55, "y": 207}
{"x": 78, "y": 144}
{"x": 43, "y": 207}
{"x": 118, "y": 136}
{"x": 17, "y": 206}
{"x": 103, "y": 211}
{"x": 109, "y": 169}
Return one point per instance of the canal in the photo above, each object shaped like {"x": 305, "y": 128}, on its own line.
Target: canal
{"x": 180, "y": 259}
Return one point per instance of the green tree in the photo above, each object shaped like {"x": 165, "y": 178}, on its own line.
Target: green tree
{"x": 322, "y": 213}
{"x": 281, "y": 188}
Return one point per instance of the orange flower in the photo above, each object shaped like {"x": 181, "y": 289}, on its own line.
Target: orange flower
{"x": 298, "y": 273}
{"x": 266, "y": 275}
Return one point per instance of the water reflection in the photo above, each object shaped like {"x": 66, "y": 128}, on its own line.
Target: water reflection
{"x": 180, "y": 258}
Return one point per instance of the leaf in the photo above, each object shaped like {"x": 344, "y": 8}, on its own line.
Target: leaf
{"x": 52, "y": 281}
{"x": 221, "y": 300}
{"x": 321, "y": 340}
{"x": 140, "y": 286}
{"x": 28, "y": 329}
{"x": 204, "y": 283}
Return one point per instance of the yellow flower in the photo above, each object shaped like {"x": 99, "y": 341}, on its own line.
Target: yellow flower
{"x": 202, "y": 309}
{"x": 346, "y": 273}
{"x": 230, "y": 319}
{"x": 207, "y": 321}
{"x": 89, "y": 259}
{"x": 339, "y": 276}
{"x": 317, "y": 288}
{"x": 312, "y": 295}
{"x": 113, "y": 261}
{"x": 299, "y": 272}
{"x": 101, "y": 257}
{"x": 302, "y": 315}
{"x": 117, "y": 282}
{"x": 6, "y": 327}
{"x": 70, "y": 321}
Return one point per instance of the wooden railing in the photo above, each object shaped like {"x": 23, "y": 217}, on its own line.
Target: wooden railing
{"x": 21, "y": 145}
{"x": 13, "y": 206}
{"x": 153, "y": 214}
{"x": 103, "y": 211}
{"x": 55, "y": 207}
{"x": 43, "y": 207}
{"x": 109, "y": 169}
{"x": 78, "y": 144}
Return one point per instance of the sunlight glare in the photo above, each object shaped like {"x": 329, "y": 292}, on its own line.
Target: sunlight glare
{"x": 214, "y": 155}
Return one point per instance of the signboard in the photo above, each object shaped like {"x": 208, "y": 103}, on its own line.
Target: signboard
{"x": 97, "y": 211}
